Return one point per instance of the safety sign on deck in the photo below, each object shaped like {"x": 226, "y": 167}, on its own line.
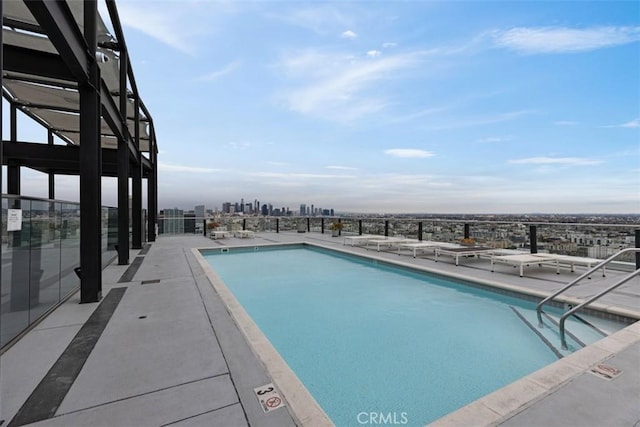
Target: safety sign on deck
{"x": 268, "y": 397}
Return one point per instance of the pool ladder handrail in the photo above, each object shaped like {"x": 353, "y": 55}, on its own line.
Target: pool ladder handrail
{"x": 590, "y": 300}
{"x": 563, "y": 341}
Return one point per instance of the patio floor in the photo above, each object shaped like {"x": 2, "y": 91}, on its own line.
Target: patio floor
{"x": 162, "y": 349}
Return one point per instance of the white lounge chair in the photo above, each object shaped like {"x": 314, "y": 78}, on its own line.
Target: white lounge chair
{"x": 526, "y": 259}
{"x": 463, "y": 251}
{"x": 388, "y": 242}
{"x": 571, "y": 261}
{"x": 354, "y": 240}
{"x": 218, "y": 234}
{"x": 425, "y": 245}
{"x": 242, "y": 234}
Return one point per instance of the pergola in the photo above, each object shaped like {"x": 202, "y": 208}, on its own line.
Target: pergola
{"x": 65, "y": 70}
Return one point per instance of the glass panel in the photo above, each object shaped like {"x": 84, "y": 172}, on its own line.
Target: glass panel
{"x": 14, "y": 307}
{"x": 69, "y": 247}
{"x": 109, "y": 234}
{"x": 44, "y": 283}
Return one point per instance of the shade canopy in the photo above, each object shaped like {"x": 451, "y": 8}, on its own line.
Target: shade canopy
{"x": 49, "y": 94}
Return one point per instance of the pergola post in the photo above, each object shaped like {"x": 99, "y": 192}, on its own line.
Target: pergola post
{"x": 123, "y": 169}
{"x": 90, "y": 168}
{"x": 152, "y": 189}
{"x": 51, "y": 175}
{"x": 13, "y": 167}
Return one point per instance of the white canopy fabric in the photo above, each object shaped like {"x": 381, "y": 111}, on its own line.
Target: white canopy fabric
{"x": 53, "y": 101}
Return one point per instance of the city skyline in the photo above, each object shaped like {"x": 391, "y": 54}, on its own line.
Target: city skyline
{"x": 435, "y": 107}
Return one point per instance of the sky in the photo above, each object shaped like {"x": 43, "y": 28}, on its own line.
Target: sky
{"x": 391, "y": 107}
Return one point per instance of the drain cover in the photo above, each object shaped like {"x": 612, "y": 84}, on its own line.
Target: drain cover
{"x": 148, "y": 282}
{"x": 605, "y": 371}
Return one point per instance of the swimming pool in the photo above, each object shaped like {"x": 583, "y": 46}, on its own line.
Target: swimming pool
{"x": 367, "y": 338}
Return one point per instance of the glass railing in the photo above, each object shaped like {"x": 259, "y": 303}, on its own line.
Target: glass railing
{"x": 577, "y": 239}
{"x": 40, "y": 250}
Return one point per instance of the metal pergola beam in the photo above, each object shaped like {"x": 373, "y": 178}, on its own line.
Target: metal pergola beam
{"x": 75, "y": 66}
{"x": 56, "y": 19}
{"x": 34, "y": 62}
{"x": 57, "y": 159}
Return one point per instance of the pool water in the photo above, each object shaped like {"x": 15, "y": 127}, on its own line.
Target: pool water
{"x": 367, "y": 338}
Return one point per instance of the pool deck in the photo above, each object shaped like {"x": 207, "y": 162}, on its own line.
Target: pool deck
{"x": 162, "y": 348}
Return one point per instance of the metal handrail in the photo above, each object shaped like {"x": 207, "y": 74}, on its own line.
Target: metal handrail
{"x": 579, "y": 278}
{"x": 622, "y": 281}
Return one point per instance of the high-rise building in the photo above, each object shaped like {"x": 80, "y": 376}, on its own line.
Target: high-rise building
{"x": 199, "y": 211}
{"x": 303, "y": 210}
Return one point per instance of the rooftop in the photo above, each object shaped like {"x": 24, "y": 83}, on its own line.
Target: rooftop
{"x": 162, "y": 348}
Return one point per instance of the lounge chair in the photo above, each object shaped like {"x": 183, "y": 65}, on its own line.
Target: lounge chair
{"x": 464, "y": 251}
{"x": 359, "y": 239}
{"x": 387, "y": 242}
{"x": 526, "y": 259}
{"x": 425, "y": 245}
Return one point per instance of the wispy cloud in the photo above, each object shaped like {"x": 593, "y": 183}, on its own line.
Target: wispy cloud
{"x": 348, "y": 35}
{"x": 239, "y": 145}
{"x": 633, "y": 124}
{"x": 564, "y": 161}
{"x": 346, "y": 168}
{"x": 408, "y": 153}
{"x": 373, "y": 53}
{"x": 227, "y": 69}
{"x": 493, "y": 139}
{"x": 535, "y": 40}
{"x": 322, "y": 19}
{"x": 565, "y": 123}
{"x": 292, "y": 175}
{"x": 484, "y": 120}
{"x": 339, "y": 86}
{"x": 167, "y": 167}
{"x": 389, "y": 45}
{"x": 170, "y": 23}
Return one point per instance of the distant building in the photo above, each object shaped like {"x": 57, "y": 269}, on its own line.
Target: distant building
{"x": 199, "y": 211}
{"x": 173, "y": 221}
{"x": 303, "y": 210}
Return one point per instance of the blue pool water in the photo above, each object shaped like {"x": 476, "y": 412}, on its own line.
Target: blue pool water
{"x": 369, "y": 338}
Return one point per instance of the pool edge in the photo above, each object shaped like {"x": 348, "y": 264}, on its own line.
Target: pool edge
{"x": 489, "y": 410}
{"x": 300, "y": 402}
{"x": 508, "y": 401}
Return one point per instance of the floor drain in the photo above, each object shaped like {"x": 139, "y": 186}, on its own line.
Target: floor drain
{"x": 142, "y": 317}
{"x": 148, "y": 282}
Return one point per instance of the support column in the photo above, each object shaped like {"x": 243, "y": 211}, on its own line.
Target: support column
{"x": 359, "y": 227}
{"x": 533, "y": 238}
{"x": 420, "y": 231}
{"x": 1, "y": 133}
{"x": 466, "y": 231}
{"x": 52, "y": 176}
{"x": 136, "y": 185}
{"x": 90, "y": 169}
{"x": 637, "y": 246}
{"x": 152, "y": 189}
{"x": 13, "y": 167}
{"x": 123, "y": 169}
{"x": 386, "y": 228}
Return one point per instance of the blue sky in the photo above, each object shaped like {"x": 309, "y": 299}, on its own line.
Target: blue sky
{"x": 376, "y": 106}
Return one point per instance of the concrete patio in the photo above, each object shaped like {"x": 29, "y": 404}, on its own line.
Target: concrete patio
{"x": 162, "y": 349}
